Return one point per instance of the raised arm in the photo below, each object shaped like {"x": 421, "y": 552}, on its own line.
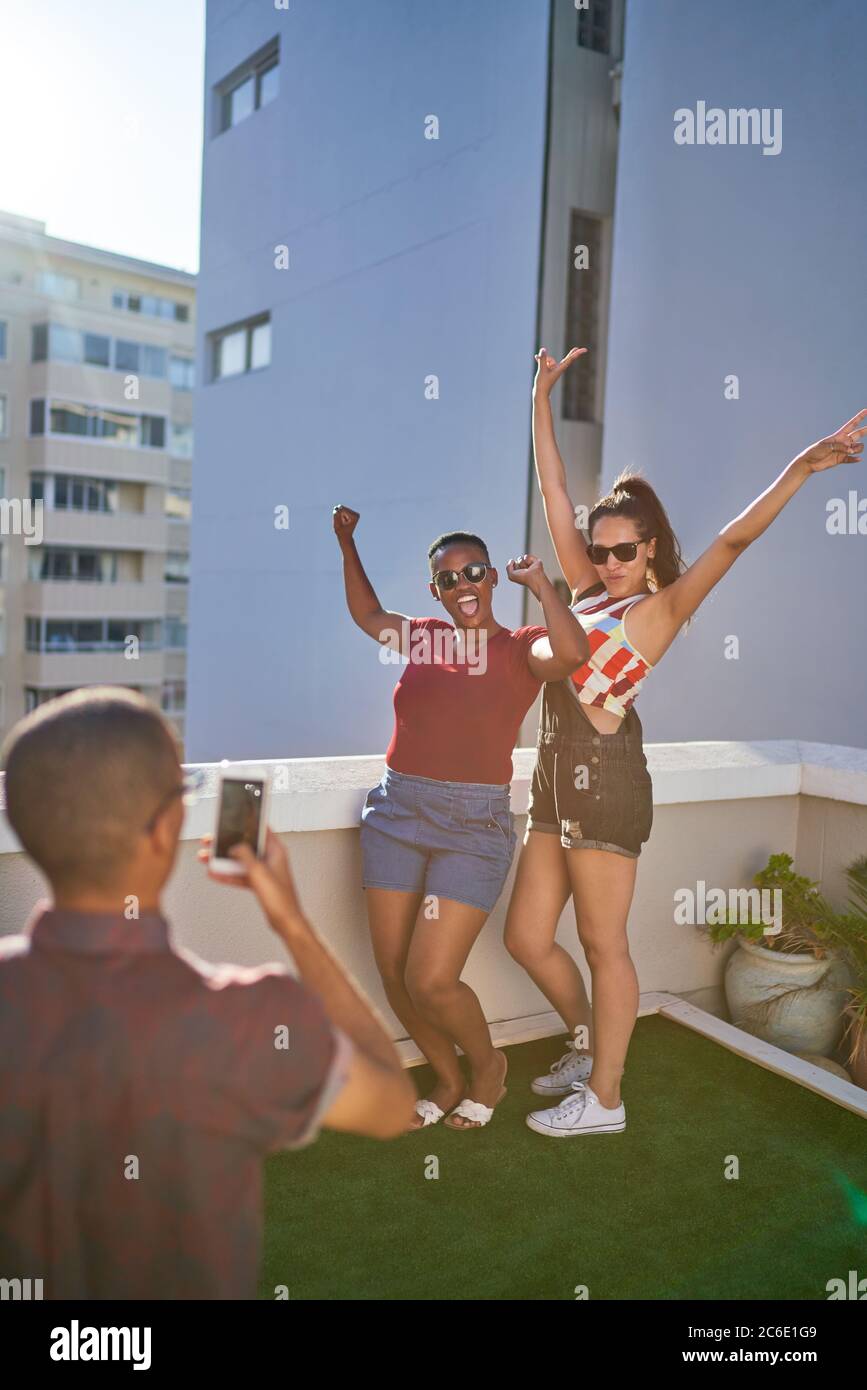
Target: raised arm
{"x": 364, "y": 607}
{"x": 567, "y": 540}
{"x": 566, "y": 647}
{"x": 655, "y": 622}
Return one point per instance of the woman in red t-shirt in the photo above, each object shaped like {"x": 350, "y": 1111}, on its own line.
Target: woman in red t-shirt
{"x": 437, "y": 836}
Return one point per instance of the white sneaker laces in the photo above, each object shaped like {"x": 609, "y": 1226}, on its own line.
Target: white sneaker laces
{"x": 579, "y": 1098}
{"x": 557, "y": 1066}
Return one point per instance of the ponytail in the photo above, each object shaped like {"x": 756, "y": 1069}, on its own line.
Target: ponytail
{"x": 632, "y": 496}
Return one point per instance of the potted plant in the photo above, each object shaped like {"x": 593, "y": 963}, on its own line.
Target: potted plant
{"x": 848, "y": 931}
{"x": 788, "y": 988}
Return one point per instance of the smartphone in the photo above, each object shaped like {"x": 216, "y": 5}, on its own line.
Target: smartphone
{"x": 242, "y": 815}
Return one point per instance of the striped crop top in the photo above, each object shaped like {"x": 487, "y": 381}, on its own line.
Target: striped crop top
{"x": 614, "y": 673}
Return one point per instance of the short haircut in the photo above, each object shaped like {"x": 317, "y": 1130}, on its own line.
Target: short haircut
{"x": 458, "y": 538}
{"x": 84, "y": 773}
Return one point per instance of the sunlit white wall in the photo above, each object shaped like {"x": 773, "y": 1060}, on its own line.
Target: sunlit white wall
{"x": 409, "y": 258}
{"x": 729, "y": 261}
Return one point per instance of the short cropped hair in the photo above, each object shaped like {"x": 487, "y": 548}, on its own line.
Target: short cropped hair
{"x": 84, "y": 773}
{"x": 458, "y": 538}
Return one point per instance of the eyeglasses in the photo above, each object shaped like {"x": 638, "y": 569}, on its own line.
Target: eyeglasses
{"x": 448, "y": 579}
{"x": 191, "y": 784}
{"x": 626, "y": 550}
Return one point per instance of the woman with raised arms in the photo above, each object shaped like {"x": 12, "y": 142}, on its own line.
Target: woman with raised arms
{"x": 437, "y": 834}
{"x": 591, "y": 803}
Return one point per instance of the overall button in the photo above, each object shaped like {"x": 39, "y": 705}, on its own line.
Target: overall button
{"x": 596, "y": 740}
{"x": 594, "y": 759}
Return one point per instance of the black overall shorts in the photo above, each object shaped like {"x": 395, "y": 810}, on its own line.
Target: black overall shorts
{"x": 591, "y": 789}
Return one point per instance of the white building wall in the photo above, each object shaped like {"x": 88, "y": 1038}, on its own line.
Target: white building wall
{"x": 730, "y": 261}
{"x": 408, "y": 258}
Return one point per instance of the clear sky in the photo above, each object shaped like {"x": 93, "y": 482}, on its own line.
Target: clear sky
{"x": 101, "y": 121}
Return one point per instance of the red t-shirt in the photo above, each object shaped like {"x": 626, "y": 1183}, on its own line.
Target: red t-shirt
{"x": 459, "y": 704}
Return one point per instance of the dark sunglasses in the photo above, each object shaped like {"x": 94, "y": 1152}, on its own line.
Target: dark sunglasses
{"x": 448, "y": 579}
{"x": 626, "y": 550}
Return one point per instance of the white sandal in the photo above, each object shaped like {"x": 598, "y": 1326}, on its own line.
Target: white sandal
{"x": 471, "y": 1110}
{"x": 474, "y": 1109}
{"x": 430, "y": 1113}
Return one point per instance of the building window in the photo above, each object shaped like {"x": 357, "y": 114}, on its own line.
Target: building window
{"x": 141, "y": 358}
{"x": 243, "y": 348}
{"x": 181, "y": 441}
{"x": 57, "y": 286}
{"x": 3, "y": 334}
{"x": 58, "y": 563}
{"x": 178, "y": 503}
{"x": 175, "y": 634}
{"x": 594, "y": 25}
{"x": 153, "y": 432}
{"x": 177, "y": 567}
{"x": 250, "y": 87}
{"x": 57, "y": 343}
{"x": 54, "y": 635}
{"x": 118, "y": 427}
{"x": 182, "y": 373}
{"x": 3, "y": 417}
{"x": 582, "y": 315}
{"x": 62, "y": 492}
{"x": 150, "y": 304}
{"x": 174, "y": 700}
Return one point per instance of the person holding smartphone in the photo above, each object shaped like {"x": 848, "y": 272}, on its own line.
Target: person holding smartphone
{"x": 437, "y": 834}
{"x": 114, "y": 1043}
{"x": 591, "y": 803}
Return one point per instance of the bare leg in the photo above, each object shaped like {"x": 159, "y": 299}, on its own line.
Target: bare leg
{"x": 437, "y": 955}
{"x": 602, "y": 886}
{"x": 542, "y": 889}
{"x": 392, "y": 917}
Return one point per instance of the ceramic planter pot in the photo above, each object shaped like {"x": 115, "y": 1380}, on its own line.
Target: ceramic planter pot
{"x": 793, "y": 1001}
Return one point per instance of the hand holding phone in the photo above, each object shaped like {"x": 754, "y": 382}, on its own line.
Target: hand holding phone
{"x": 242, "y": 816}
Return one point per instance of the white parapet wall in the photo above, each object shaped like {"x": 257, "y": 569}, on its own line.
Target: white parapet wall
{"x": 720, "y": 810}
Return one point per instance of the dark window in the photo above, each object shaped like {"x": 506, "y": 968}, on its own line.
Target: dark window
{"x": 594, "y": 25}
{"x": 126, "y": 356}
{"x": 37, "y": 417}
{"x": 89, "y": 566}
{"x": 40, "y": 342}
{"x": 582, "y": 315}
{"x": 96, "y": 349}
{"x": 251, "y": 87}
{"x": 153, "y": 432}
{"x": 2, "y": 338}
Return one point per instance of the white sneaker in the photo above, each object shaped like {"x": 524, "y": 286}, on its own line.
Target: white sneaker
{"x": 580, "y": 1113}
{"x": 573, "y": 1066}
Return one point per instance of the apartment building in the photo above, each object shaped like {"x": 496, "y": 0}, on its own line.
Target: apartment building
{"x": 399, "y": 202}
{"x": 96, "y": 443}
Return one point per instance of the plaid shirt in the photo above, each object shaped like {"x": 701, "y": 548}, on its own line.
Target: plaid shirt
{"x": 139, "y": 1089}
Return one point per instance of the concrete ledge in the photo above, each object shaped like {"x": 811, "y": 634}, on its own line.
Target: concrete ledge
{"x": 328, "y": 793}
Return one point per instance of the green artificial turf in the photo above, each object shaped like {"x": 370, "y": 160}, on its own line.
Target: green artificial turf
{"x": 647, "y": 1214}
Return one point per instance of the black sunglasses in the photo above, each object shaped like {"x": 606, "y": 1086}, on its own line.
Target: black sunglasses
{"x": 626, "y": 550}
{"x": 448, "y": 579}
